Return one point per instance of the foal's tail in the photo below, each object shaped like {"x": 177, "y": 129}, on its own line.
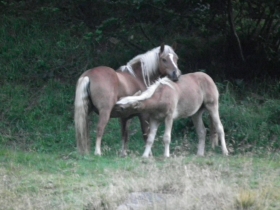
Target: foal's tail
{"x": 81, "y": 115}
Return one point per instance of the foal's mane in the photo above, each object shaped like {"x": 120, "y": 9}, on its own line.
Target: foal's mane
{"x": 147, "y": 93}
{"x": 149, "y": 63}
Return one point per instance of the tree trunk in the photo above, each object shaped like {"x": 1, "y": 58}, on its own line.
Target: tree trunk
{"x": 232, "y": 27}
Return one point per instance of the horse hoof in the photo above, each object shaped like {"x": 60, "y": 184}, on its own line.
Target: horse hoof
{"x": 97, "y": 154}
{"x": 200, "y": 155}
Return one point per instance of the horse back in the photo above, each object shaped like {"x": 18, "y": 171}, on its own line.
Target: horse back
{"x": 162, "y": 103}
{"x": 207, "y": 86}
{"x": 128, "y": 84}
{"x": 195, "y": 90}
{"x": 103, "y": 86}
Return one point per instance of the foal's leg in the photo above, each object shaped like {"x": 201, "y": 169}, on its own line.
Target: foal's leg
{"x": 167, "y": 135}
{"x": 104, "y": 116}
{"x": 125, "y": 137}
{"x": 151, "y": 137}
{"x": 200, "y": 130}
{"x": 144, "y": 122}
{"x": 217, "y": 125}
{"x": 213, "y": 134}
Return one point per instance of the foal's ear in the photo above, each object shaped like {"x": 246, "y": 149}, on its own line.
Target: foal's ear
{"x": 138, "y": 93}
{"x": 137, "y": 105}
{"x": 162, "y": 48}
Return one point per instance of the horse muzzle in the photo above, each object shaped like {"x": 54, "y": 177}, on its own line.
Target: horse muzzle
{"x": 175, "y": 75}
{"x": 119, "y": 108}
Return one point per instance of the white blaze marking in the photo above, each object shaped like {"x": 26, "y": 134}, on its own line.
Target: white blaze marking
{"x": 171, "y": 58}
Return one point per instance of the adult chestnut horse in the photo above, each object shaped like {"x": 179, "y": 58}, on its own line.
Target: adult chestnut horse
{"x": 165, "y": 101}
{"x": 98, "y": 90}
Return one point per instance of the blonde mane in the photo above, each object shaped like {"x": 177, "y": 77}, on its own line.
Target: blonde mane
{"x": 149, "y": 63}
{"x": 147, "y": 93}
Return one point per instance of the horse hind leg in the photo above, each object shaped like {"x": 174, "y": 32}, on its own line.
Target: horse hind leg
{"x": 167, "y": 135}
{"x": 125, "y": 123}
{"x": 200, "y": 130}
{"x": 217, "y": 129}
{"x": 213, "y": 134}
{"x": 104, "y": 116}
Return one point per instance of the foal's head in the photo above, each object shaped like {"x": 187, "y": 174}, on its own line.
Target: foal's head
{"x": 168, "y": 63}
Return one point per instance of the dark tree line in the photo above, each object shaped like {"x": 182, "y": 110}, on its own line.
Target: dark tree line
{"x": 239, "y": 39}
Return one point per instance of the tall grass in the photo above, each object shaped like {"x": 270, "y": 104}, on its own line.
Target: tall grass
{"x": 250, "y": 116}
{"x": 41, "y": 119}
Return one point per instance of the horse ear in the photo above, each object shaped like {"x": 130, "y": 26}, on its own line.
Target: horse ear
{"x": 138, "y": 93}
{"x": 162, "y": 48}
{"x": 174, "y": 45}
{"x": 137, "y": 105}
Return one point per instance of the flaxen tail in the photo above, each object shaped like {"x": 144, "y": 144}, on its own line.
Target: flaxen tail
{"x": 81, "y": 115}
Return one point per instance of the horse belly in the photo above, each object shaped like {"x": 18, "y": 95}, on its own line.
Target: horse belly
{"x": 162, "y": 109}
{"x": 120, "y": 114}
{"x": 187, "y": 108}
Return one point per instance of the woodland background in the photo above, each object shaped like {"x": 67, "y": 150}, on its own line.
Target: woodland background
{"x": 236, "y": 39}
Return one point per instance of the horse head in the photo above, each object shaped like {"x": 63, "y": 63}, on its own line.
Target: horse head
{"x": 168, "y": 63}
{"x": 129, "y": 108}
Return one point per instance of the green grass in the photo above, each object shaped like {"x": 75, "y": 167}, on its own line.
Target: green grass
{"x": 41, "y": 119}
{"x": 250, "y": 116}
{"x": 71, "y": 181}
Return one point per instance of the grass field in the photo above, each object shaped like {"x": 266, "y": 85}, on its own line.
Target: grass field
{"x": 30, "y": 180}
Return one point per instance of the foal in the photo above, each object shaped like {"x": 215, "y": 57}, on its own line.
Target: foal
{"x": 165, "y": 101}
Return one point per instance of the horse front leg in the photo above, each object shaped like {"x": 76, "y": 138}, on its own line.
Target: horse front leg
{"x": 104, "y": 116}
{"x": 200, "y": 130}
{"x": 167, "y": 135}
{"x": 151, "y": 137}
{"x": 125, "y": 122}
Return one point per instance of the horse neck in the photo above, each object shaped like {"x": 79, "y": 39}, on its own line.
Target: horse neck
{"x": 139, "y": 74}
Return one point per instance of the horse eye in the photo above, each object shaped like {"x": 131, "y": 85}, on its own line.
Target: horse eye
{"x": 164, "y": 60}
